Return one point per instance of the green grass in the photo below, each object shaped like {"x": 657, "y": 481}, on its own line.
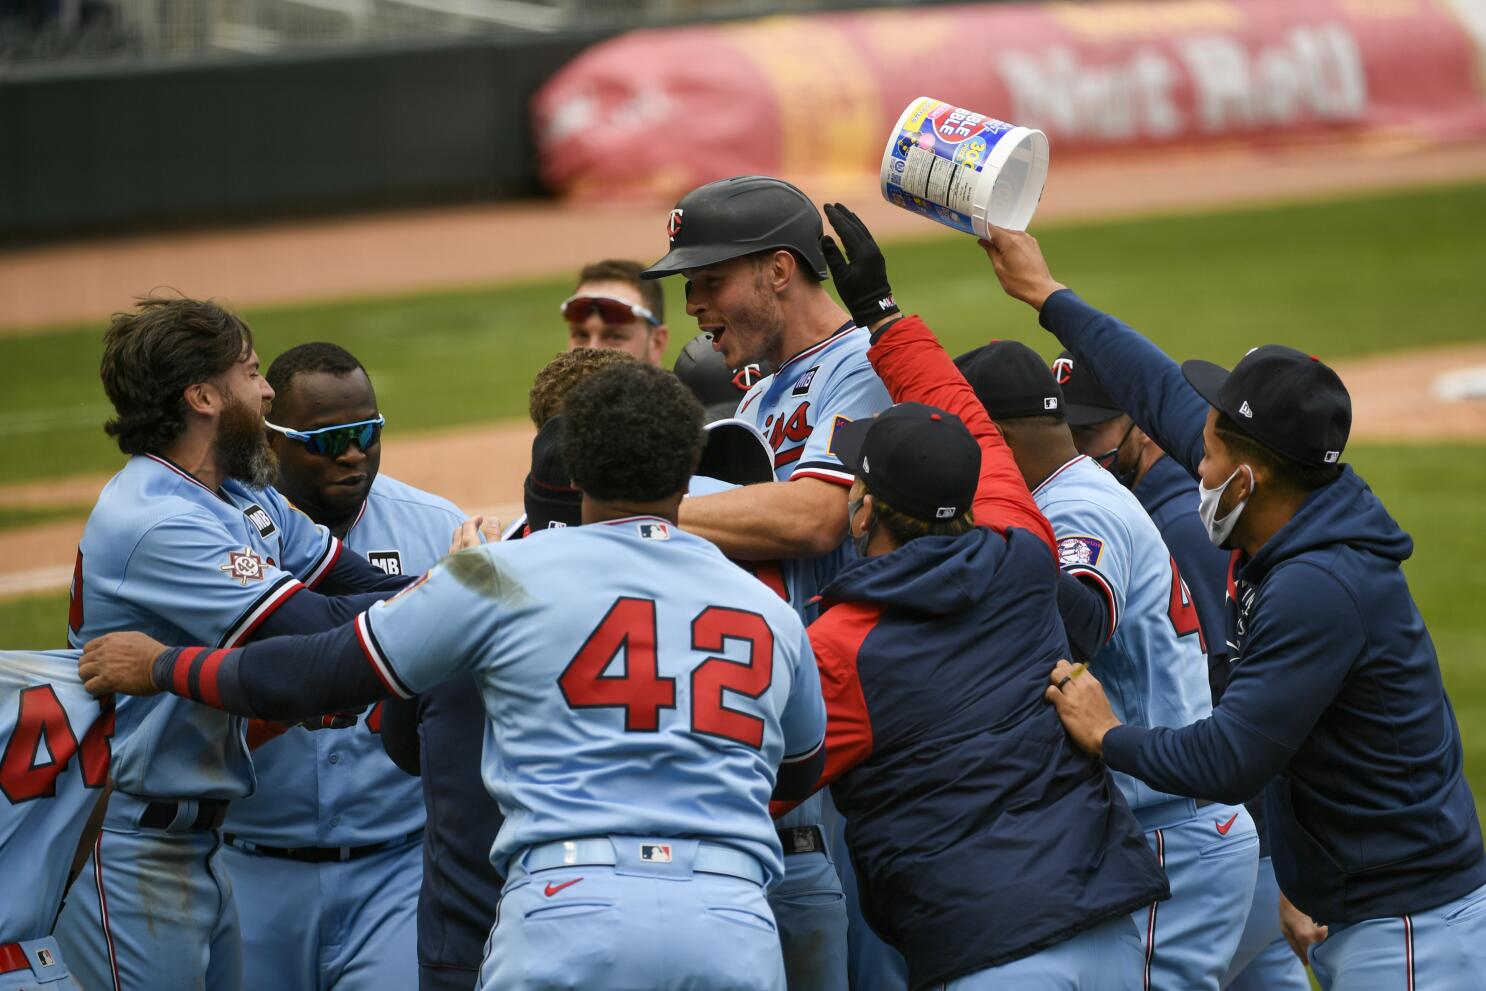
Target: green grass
{"x": 1338, "y": 279}
{"x": 17, "y": 517}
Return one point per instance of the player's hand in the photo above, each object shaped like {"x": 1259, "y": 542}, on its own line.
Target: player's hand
{"x": 861, "y": 274}
{"x": 120, "y": 662}
{"x": 467, "y": 536}
{"x": 1300, "y": 930}
{"x": 1081, "y": 704}
{"x": 1019, "y": 265}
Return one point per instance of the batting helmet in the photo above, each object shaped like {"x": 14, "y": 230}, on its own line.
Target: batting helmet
{"x": 730, "y": 218}
{"x": 717, "y": 387}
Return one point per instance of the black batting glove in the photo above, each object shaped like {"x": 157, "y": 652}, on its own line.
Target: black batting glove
{"x": 862, "y": 281}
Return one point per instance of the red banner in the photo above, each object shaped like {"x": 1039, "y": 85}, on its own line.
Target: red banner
{"x": 658, "y": 112}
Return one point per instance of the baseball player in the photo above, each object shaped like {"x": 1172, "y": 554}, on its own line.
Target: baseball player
{"x": 326, "y": 855}
{"x": 749, "y": 248}
{"x": 1263, "y": 961}
{"x": 613, "y": 308}
{"x": 1334, "y": 705}
{"x": 639, "y": 719}
{"x": 1015, "y": 864}
{"x": 188, "y": 543}
{"x": 55, "y": 751}
{"x": 1129, "y": 608}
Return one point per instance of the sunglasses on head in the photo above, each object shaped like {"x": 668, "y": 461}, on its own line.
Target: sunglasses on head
{"x": 610, "y": 309}
{"x": 333, "y": 440}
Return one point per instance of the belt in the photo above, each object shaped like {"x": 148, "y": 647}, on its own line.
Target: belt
{"x": 318, "y": 854}
{"x": 210, "y": 814}
{"x": 802, "y": 839}
{"x": 712, "y": 858}
{"x": 13, "y": 958}
{"x": 1161, "y": 815}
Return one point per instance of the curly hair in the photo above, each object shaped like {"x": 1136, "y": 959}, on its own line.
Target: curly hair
{"x": 150, "y": 357}
{"x": 561, "y": 374}
{"x": 631, "y": 433}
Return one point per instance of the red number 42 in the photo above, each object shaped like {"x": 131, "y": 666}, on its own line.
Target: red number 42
{"x": 642, "y": 692}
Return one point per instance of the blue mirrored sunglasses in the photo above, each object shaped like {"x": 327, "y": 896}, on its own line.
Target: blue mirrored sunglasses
{"x": 333, "y": 440}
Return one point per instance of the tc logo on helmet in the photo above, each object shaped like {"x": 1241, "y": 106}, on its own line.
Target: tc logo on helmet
{"x": 1063, "y": 370}
{"x": 673, "y": 224}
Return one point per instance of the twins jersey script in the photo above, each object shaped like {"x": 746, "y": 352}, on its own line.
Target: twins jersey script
{"x": 798, "y": 409}
{"x": 339, "y": 788}
{"x": 165, "y": 555}
{"x": 655, "y": 697}
{"x": 1153, "y": 666}
{"x": 54, "y": 757}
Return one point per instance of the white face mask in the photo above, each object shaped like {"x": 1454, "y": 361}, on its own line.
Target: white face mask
{"x": 1207, "y": 507}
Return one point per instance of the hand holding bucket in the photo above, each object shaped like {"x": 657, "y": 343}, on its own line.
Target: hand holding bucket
{"x": 963, "y": 169}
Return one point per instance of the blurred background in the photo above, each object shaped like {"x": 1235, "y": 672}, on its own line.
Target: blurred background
{"x": 420, "y": 180}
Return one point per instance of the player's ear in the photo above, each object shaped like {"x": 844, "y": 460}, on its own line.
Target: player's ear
{"x": 203, "y": 398}
{"x": 783, "y": 269}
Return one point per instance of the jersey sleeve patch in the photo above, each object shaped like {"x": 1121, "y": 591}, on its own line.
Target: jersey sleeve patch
{"x": 1079, "y": 551}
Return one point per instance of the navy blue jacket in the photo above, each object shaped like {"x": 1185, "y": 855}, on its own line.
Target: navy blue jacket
{"x": 1334, "y": 704}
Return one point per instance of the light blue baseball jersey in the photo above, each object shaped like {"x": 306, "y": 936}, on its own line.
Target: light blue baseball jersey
{"x": 798, "y": 409}
{"x": 1153, "y": 668}
{"x": 54, "y": 762}
{"x": 165, "y": 555}
{"x": 339, "y": 787}
{"x": 636, "y": 682}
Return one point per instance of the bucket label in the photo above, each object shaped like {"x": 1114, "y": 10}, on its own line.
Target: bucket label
{"x": 936, "y": 161}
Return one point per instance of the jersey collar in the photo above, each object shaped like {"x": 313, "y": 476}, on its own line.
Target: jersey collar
{"x": 1066, "y": 465}
{"x": 171, "y": 465}
{"x": 817, "y": 347}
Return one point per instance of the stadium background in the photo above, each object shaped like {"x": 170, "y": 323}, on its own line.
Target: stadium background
{"x": 374, "y": 173}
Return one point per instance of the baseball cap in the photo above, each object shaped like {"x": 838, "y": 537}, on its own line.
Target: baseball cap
{"x": 1291, "y": 402}
{"x": 920, "y": 460}
{"x": 717, "y": 387}
{"x": 1084, "y": 400}
{"x": 1011, "y": 380}
{"x": 550, "y": 498}
{"x": 733, "y": 217}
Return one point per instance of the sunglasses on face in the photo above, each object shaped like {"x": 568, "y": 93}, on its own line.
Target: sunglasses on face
{"x": 333, "y": 440}
{"x": 610, "y": 310}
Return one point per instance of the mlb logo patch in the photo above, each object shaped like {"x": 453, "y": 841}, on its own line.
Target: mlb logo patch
{"x": 243, "y": 566}
{"x": 802, "y": 387}
{"x": 1050, "y": 402}
{"x": 1332, "y": 456}
{"x": 556, "y": 525}
{"x": 655, "y": 853}
{"x": 655, "y": 531}
{"x": 389, "y": 561}
{"x": 1080, "y": 550}
{"x": 44, "y": 957}
{"x": 945, "y": 513}
{"x": 260, "y": 520}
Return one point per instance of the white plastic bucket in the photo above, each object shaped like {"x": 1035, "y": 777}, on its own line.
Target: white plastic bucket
{"x": 964, "y": 169}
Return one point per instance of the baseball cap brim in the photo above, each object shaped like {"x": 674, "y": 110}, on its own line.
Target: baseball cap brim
{"x": 1079, "y": 415}
{"x": 848, "y": 440}
{"x": 678, "y": 260}
{"x": 1208, "y": 379}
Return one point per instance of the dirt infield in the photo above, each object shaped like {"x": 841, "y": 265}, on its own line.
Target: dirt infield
{"x": 481, "y": 467}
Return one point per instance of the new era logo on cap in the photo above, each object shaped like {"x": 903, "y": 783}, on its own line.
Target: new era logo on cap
{"x": 1244, "y": 409}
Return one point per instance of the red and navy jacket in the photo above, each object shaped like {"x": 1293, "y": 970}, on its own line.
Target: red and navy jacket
{"x": 979, "y": 833}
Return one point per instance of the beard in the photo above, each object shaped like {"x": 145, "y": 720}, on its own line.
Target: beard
{"x": 242, "y": 446}
{"x": 764, "y": 318}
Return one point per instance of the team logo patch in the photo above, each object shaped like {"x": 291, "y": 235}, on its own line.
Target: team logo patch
{"x": 1080, "y": 550}
{"x": 260, "y": 519}
{"x": 837, "y": 422}
{"x": 389, "y": 561}
{"x": 655, "y": 531}
{"x": 745, "y": 377}
{"x": 655, "y": 853}
{"x": 1063, "y": 370}
{"x": 802, "y": 387}
{"x": 244, "y": 566}
{"x": 673, "y": 224}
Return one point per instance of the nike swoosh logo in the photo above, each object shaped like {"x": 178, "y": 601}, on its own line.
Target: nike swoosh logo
{"x": 553, "y": 889}
{"x": 1222, "y": 831}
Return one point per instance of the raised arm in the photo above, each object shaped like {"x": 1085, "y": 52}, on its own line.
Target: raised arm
{"x": 1139, "y": 376}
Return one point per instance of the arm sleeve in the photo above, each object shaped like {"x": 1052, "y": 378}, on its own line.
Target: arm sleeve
{"x": 803, "y": 723}
{"x": 1138, "y": 376}
{"x": 850, "y": 395}
{"x": 1305, "y": 639}
{"x": 916, "y": 368}
{"x": 1085, "y": 615}
{"x": 400, "y": 718}
{"x": 1094, "y": 546}
{"x": 311, "y": 612}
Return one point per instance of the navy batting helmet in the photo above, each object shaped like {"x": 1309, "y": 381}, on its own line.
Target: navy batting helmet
{"x": 730, "y": 218}
{"x": 717, "y": 387}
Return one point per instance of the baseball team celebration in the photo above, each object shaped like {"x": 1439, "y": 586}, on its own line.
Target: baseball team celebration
{"x": 877, "y": 496}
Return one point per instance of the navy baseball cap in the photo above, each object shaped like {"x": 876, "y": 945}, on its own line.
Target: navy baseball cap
{"x": 1291, "y": 402}
{"x": 549, "y": 496}
{"x": 1011, "y": 380}
{"x": 1085, "y": 402}
{"x": 920, "y": 460}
